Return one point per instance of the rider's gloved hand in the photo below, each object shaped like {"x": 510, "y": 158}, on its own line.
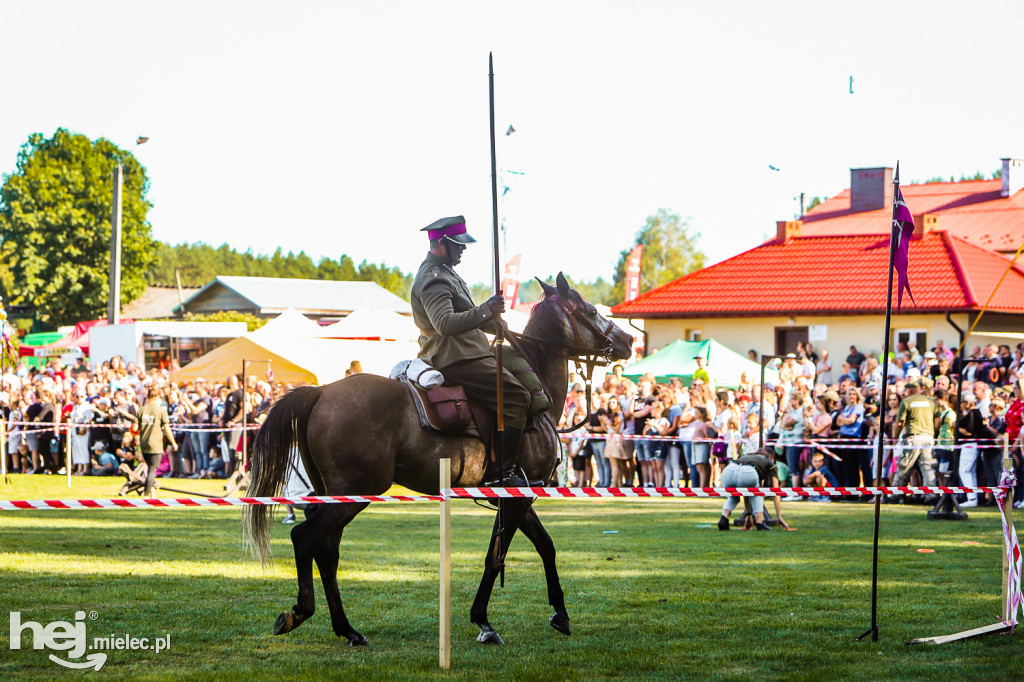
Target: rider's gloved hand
{"x": 496, "y": 304}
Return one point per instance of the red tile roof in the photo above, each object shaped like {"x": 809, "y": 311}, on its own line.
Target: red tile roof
{"x": 836, "y": 275}
{"x": 972, "y": 210}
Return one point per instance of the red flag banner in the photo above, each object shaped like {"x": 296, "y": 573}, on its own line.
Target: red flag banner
{"x": 510, "y": 280}
{"x": 633, "y": 272}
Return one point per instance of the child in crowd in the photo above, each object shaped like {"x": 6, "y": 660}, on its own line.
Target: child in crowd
{"x": 103, "y": 462}
{"x": 818, "y": 475}
{"x": 701, "y": 447}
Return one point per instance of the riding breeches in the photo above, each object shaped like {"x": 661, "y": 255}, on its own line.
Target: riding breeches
{"x": 479, "y": 378}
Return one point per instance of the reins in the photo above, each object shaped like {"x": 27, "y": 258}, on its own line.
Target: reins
{"x": 584, "y": 359}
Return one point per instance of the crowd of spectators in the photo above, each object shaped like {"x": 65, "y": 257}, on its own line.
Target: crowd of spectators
{"x": 98, "y": 410}
{"x": 944, "y": 422}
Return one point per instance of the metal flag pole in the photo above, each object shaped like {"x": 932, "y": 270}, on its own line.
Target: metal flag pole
{"x": 881, "y": 414}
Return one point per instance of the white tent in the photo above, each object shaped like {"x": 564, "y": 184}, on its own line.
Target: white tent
{"x": 378, "y": 324}
{"x": 314, "y": 361}
{"x": 289, "y": 324}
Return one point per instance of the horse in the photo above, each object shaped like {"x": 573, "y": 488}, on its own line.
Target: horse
{"x": 362, "y": 434}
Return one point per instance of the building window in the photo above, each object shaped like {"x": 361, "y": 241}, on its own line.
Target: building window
{"x": 918, "y": 336}
{"x": 694, "y": 335}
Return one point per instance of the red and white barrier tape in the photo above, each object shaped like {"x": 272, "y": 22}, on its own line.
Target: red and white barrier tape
{"x": 124, "y": 503}
{"x": 485, "y": 493}
{"x": 595, "y": 493}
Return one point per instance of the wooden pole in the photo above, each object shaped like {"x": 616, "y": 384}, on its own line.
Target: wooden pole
{"x": 445, "y": 619}
{"x": 1008, "y": 517}
{"x": 3, "y": 448}
{"x": 67, "y": 453}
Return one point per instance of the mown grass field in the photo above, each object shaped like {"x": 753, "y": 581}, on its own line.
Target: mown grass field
{"x": 664, "y": 598}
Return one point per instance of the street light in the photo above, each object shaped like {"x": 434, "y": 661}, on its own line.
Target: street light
{"x": 114, "y": 289}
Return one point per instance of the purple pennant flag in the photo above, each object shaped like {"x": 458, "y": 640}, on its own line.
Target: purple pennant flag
{"x": 904, "y": 226}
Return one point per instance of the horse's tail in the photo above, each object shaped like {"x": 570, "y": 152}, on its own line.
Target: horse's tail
{"x": 284, "y": 429}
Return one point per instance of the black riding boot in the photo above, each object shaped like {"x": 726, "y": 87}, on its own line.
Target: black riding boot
{"x": 511, "y": 439}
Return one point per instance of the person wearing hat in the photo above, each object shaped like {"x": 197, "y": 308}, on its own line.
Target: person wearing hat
{"x": 701, "y": 373}
{"x": 103, "y": 463}
{"x": 452, "y": 339}
{"x": 916, "y": 419}
{"x": 80, "y": 418}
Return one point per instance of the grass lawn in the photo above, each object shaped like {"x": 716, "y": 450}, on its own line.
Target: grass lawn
{"x": 664, "y": 597}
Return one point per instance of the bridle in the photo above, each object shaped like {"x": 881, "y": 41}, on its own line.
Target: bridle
{"x": 583, "y": 357}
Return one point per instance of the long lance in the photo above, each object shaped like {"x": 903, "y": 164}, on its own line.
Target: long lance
{"x": 881, "y": 414}
{"x": 499, "y": 530}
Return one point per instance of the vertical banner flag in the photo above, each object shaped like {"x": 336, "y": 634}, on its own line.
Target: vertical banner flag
{"x": 903, "y": 224}
{"x": 633, "y": 272}
{"x": 510, "y": 280}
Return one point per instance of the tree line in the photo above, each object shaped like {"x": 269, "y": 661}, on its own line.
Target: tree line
{"x": 55, "y": 234}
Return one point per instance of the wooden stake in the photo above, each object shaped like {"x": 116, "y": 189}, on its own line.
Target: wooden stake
{"x": 445, "y": 619}
{"x": 1008, "y": 516}
{"x": 67, "y": 453}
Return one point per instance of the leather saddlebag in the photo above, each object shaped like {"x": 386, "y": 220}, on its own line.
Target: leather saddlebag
{"x": 452, "y": 408}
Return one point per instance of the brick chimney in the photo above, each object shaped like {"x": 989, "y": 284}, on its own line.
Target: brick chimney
{"x": 925, "y": 223}
{"x": 1013, "y": 176}
{"x": 870, "y": 189}
{"x": 787, "y": 229}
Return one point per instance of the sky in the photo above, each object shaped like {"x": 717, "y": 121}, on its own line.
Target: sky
{"x": 344, "y": 127}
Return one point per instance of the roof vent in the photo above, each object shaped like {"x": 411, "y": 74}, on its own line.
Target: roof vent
{"x": 1013, "y": 176}
{"x": 870, "y": 189}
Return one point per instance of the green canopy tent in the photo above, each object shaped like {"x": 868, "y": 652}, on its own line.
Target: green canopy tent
{"x": 724, "y": 365}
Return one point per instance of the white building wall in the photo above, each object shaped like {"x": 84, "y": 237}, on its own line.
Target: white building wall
{"x": 842, "y": 331}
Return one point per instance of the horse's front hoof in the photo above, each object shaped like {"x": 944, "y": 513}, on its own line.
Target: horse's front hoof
{"x": 560, "y": 622}
{"x": 489, "y": 636}
{"x": 285, "y": 623}
{"x": 356, "y": 639}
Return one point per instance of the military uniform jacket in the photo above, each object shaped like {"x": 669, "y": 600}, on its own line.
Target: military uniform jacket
{"x": 449, "y": 322}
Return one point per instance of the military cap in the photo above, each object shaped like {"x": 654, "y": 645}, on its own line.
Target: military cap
{"x": 453, "y": 228}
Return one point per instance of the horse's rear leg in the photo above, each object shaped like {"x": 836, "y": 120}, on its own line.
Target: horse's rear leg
{"x": 321, "y": 521}
{"x": 534, "y": 530}
{"x": 513, "y": 512}
{"x": 326, "y": 557}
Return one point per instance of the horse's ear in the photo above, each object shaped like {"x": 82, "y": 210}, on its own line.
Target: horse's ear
{"x": 563, "y": 286}
{"x": 548, "y": 289}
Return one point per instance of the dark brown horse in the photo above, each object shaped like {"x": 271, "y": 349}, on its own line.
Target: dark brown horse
{"x": 362, "y": 434}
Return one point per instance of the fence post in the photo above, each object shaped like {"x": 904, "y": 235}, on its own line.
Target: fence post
{"x": 67, "y": 451}
{"x": 445, "y": 635}
{"x": 1008, "y": 517}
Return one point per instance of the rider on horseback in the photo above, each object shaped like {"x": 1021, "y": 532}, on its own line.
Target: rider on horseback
{"x": 452, "y": 338}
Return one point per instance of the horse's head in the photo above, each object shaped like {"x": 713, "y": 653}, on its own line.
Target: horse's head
{"x": 569, "y": 320}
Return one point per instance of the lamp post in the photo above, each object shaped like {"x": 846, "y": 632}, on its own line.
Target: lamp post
{"x": 114, "y": 289}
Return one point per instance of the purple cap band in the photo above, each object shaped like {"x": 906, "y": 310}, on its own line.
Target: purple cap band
{"x": 449, "y": 231}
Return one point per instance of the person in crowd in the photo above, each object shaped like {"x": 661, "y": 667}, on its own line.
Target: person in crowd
{"x": 657, "y": 426}
{"x": 969, "y": 428}
{"x": 580, "y": 457}
{"x": 818, "y": 475}
{"x": 916, "y": 420}
{"x": 615, "y": 451}
{"x": 154, "y": 425}
{"x": 855, "y": 359}
{"x": 80, "y": 418}
{"x": 1014, "y": 419}
{"x": 751, "y": 471}
{"x": 945, "y": 455}
{"x": 991, "y": 451}
{"x": 850, "y": 421}
{"x": 596, "y": 426}
{"x": 16, "y": 436}
{"x": 702, "y": 446}
{"x": 104, "y": 463}
{"x": 791, "y": 431}
{"x": 823, "y": 368}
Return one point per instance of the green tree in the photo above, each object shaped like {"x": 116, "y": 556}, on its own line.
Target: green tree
{"x": 55, "y": 219}
{"x": 670, "y": 251}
